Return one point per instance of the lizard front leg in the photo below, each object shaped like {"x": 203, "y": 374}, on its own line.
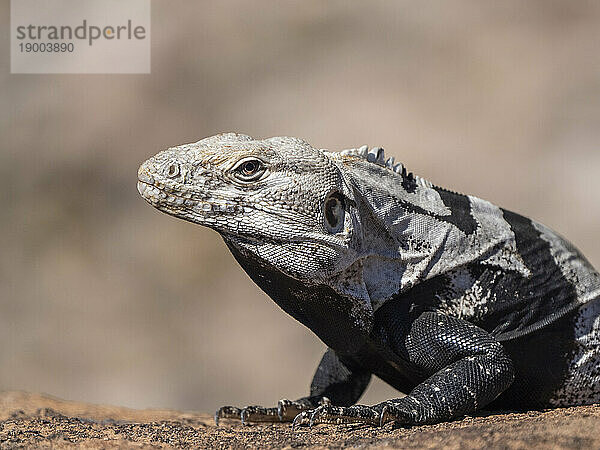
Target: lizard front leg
{"x": 466, "y": 367}
{"x": 333, "y": 382}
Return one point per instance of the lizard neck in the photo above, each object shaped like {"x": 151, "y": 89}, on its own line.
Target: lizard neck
{"x": 341, "y": 322}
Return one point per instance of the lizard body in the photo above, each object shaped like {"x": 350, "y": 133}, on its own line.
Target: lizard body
{"x": 447, "y": 297}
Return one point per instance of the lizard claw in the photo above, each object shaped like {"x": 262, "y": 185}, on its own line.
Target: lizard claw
{"x": 304, "y": 418}
{"x": 285, "y": 411}
{"x": 227, "y": 412}
{"x": 327, "y": 413}
{"x": 384, "y": 417}
{"x": 307, "y": 417}
{"x": 282, "y": 407}
{"x": 288, "y": 410}
{"x": 313, "y": 416}
{"x": 391, "y": 413}
{"x": 244, "y": 416}
{"x": 259, "y": 414}
{"x": 319, "y": 413}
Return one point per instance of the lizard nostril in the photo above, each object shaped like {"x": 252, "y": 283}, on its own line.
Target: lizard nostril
{"x": 173, "y": 170}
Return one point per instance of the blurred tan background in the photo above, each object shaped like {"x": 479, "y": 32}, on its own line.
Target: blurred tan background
{"x": 104, "y": 299}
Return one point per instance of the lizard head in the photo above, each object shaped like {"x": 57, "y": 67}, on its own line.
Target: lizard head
{"x": 279, "y": 199}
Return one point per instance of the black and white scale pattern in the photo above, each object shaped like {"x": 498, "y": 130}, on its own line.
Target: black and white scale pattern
{"x": 582, "y": 382}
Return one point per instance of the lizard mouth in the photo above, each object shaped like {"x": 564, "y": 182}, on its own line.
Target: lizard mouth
{"x": 158, "y": 197}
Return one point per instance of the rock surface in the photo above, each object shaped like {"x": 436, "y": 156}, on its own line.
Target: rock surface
{"x": 31, "y": 420}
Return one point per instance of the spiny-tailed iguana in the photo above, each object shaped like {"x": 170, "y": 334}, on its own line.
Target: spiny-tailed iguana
{"x": 446, "y": 297}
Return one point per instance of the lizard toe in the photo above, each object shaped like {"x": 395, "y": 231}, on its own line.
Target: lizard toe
{"x": 259, "y": 414}
{"x": 227, "y": 412}
{"x": 302, "y": 419}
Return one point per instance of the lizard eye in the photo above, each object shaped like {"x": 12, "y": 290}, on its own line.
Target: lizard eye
{"x": 249, "y": 169}
{"x": 334, "y": 209}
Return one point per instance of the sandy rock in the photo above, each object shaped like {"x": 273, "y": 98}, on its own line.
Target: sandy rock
{"x": 32, "y": 420}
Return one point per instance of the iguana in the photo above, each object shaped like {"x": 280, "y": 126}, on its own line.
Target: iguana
{"x": 456, "y": 302}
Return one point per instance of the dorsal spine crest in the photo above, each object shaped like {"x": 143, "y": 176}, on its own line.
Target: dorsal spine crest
{"x": 377, "y": 156}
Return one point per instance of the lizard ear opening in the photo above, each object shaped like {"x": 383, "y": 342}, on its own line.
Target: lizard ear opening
{"x": 334, "y": 210}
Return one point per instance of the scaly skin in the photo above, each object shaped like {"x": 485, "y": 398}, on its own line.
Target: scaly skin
{"x": 450, "y": 299}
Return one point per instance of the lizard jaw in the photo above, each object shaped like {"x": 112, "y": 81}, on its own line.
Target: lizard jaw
{"x": 158, "y": 198}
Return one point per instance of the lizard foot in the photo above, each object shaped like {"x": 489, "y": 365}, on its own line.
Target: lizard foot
{"x": 377, "y": 415}
{"x": 285, "y": 411}
{"x": 339, "y": 415}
